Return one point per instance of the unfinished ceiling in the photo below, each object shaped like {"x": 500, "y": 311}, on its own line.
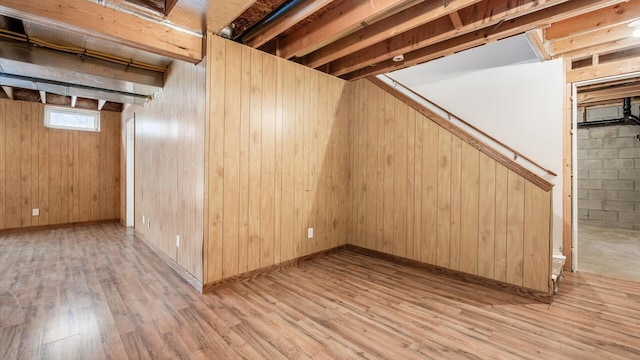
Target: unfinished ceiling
{"x": 348, "y": 39}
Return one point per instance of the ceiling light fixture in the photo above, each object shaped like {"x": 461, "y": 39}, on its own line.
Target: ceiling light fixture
{"x": 398, "y": 58}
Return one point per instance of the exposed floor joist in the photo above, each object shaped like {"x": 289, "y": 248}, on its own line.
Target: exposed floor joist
{"x": 341, "y": 21}
{"x": 513, "y": 26}
{"x": 92, "y": 19}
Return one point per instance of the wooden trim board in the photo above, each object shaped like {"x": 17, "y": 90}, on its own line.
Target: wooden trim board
{"x": 466, "y": 137}
{"x": 56, "y": 226}
{"x": 219, "y": 284}
{"x": 546, "y": 298}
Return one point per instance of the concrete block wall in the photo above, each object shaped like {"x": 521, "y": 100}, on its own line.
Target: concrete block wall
{"x": 609, "y": 176}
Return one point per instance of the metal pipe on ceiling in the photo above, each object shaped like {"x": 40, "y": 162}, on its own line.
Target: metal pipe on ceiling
{"x": 269, "y": 19}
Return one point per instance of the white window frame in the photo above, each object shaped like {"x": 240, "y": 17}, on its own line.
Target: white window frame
{"x": 48, "y": 109}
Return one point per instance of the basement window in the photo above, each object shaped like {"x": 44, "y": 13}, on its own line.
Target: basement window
{"x": 71, "y": 119}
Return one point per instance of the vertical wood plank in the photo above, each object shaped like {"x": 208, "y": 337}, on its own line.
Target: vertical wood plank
{"x": 231, "y": 206}
{"x": 13, "y": 164}
{"x": 380, "y": 121}
{"x": 74, "y": 175}
{"x": 320, "y": 231}
{"x": 288, "y": 227}
{"x": 411, "y": 143}
{"x": 299, "y": 152}
{"x": 515, "y": 229}
{"x": 245, "y": 160}
{"x": 501, "y": 223}
{"x": 267, "y": 181}
{"x": 67, "y": 177}
{"x": 111, "y": 130}
{"x": 43, "y": 164}
{"x": 469, "y": 208}
{"x": 371, "y": 181}
{"x": 361, "y": 169}
{"x": 444, "y": 198}
{"x": 277, "y": 240}
{"x": 3, "y": 143}
{"x": 389, "y": 167}
{"x": 430, "y": 170}
{"x": 417, "y": 232}
{"x": 255, "y": 154}
{"x": 456, "y": 211}
{"x": 95, "y": 175}
{"x": 536, "y": 264}
{"x": 55, "y": 184}
{"x": 487, "y": 210}
{"x": 35, "y": 169}
{"x": 216, "y": 165}
{"x": 25, "y": 164}
{"x": 400, "y": 181}
{"x": 103, "y": 172}
{"x": 313, "y": 81}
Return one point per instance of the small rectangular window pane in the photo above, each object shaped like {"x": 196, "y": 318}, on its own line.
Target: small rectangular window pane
{"x": 72, "y": 119}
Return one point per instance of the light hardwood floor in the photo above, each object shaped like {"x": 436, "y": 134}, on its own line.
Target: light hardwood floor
{"x": 93, "y": 292}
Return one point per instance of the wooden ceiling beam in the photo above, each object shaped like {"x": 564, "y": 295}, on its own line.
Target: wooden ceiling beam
{"x": 481, "y": 15}
{"x": 515, "y": 26}
{"x": 603, "y": 86}
{"x": 609, "y": 47}
{"x": 609, "y": 94}
{"x": 455, "y": 20}
{"x": 288, "y": 20}
{"x": 626, "y": 66}
{"x": 384, "y": 29}
{"x": 592, "y": 38}
{"x": 596, "y": 20}
{"x": 339, "y": 22}
{"x": 98, "y": 21}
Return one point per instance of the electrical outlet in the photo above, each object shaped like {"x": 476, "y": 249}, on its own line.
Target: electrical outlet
{"x": 177, "y": 240}
{"x": 35, "y": 212}
{"x": 310, "y": 233}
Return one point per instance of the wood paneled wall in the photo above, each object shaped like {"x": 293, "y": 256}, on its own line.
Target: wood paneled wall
{"x": 277, "y": 160}
{"x": 169, "y": 166}
{"x": 420, "y": 192}
{"x": 70, "y": 176}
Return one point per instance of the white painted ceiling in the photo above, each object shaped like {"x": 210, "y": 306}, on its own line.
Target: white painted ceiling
{"x": 510, "y": 51}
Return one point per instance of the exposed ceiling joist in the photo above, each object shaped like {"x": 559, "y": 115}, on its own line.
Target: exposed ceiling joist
{"x": 615, "y": 93}
{"x": 92, "y": 19}
{"x": 384, "y": 29}
{"x": 22, "y": 59}
{"x": 514, "y": 26}
{"x": 585, "y": 40}
{"x": 596, "y": 20}
{"x": 625, "y": 66}
{"x": 490, "y": 16}
{"x": 337, "y": 23}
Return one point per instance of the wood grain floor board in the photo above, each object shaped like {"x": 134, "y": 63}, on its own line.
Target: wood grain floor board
{"x": 96, "y": 291}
